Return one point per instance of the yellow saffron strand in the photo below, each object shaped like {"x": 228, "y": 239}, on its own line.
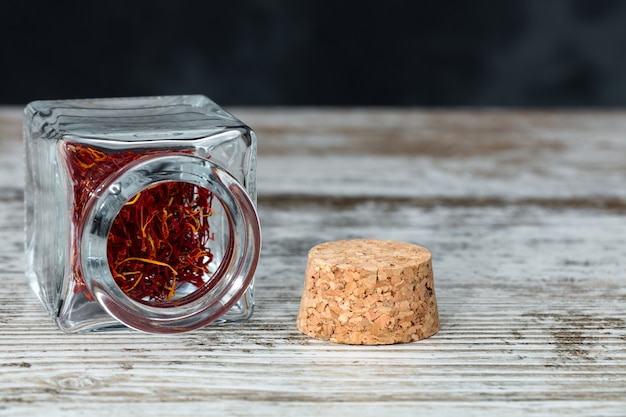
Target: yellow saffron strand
{"x": 135, "y": 284}
{"x": 172, "y": 288}
{"x": 150, "y": 261}
{"x": 134, "y": 200}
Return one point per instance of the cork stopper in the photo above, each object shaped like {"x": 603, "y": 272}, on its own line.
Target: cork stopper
{"x": 368, "y": 292}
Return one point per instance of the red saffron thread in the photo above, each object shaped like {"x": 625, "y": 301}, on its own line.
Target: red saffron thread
{"x": 159, "y": 239}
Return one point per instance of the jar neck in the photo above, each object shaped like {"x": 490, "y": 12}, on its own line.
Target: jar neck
{"x": 185, "y": 299}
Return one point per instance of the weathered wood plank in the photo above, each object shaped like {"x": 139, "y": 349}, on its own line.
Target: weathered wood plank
{"x": 524, "y": 212}
{"x": 462, "y": 154}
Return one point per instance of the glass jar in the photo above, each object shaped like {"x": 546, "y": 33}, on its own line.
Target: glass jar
{"x": 140, "y": 212}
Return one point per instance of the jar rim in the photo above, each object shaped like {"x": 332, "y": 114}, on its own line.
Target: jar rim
{"x": 236, "y": 269}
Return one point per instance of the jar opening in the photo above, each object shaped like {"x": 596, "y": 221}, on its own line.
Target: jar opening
{"x": 233, "y": 224}
{"x": 167, "y": 243}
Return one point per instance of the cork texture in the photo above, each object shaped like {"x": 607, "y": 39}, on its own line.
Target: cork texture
{"x": 368, "y": 292}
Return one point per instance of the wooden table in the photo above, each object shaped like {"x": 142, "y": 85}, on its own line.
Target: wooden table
{"x": 524, "y": 212}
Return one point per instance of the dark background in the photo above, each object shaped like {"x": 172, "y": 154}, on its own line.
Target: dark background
{"x": 330, "y": 53}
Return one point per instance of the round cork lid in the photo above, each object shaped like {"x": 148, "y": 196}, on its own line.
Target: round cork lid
{"x": 368, "y": 292}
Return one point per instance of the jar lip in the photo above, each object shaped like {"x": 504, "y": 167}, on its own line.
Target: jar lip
{"x": 237, "y": 267}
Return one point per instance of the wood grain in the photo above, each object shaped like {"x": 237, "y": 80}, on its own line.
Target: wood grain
{"x": 523, "y": 211}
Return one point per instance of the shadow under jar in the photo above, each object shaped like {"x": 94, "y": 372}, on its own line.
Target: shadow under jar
{"x": 140, "y": 212}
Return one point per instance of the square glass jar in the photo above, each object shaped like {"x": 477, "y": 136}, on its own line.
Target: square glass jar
{"x": 140, "y": 212}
